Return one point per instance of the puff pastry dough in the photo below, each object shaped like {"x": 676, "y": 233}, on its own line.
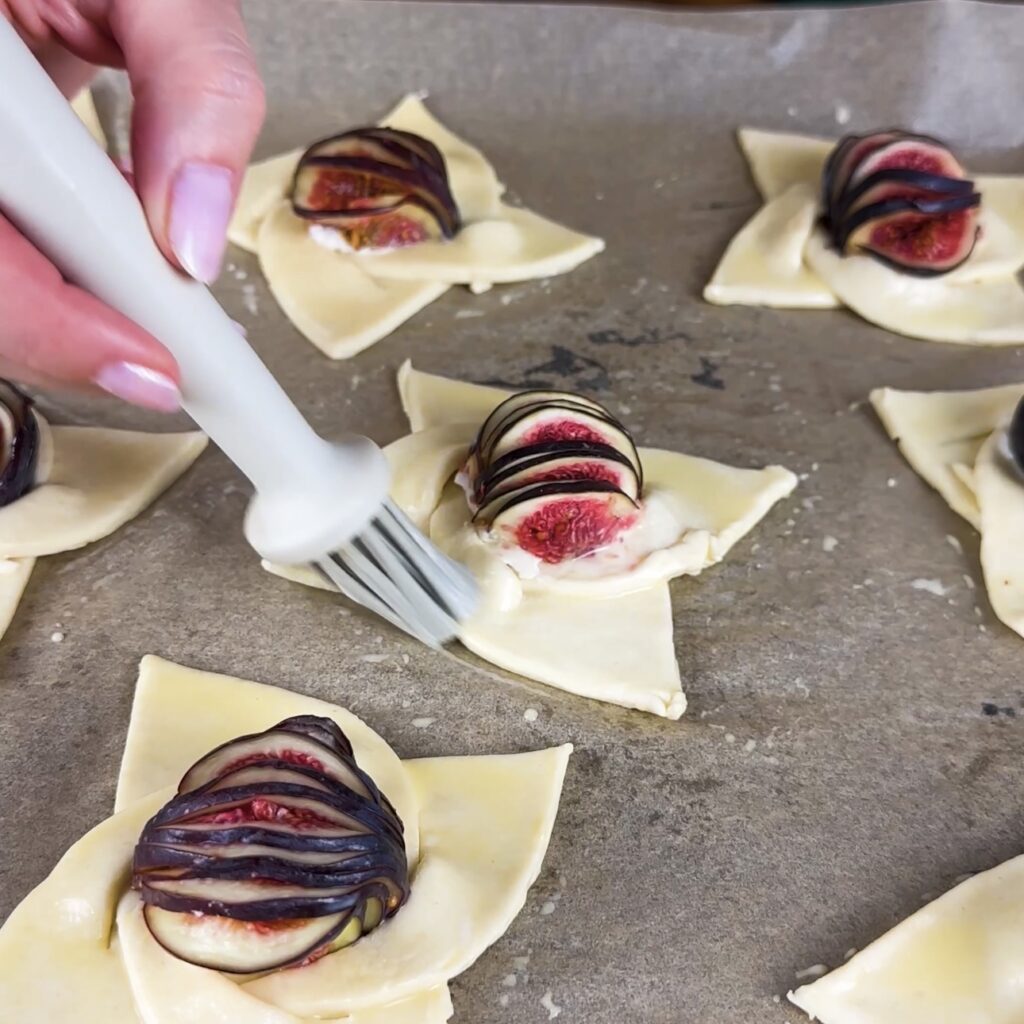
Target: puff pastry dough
{"x": 782, "y": 258}
{"x": 955, "y": 961}
{"x": 344, "y": 302}
{"x": 76, "y": 950}
{"x": 100, "y": 479}
{"x": 610, "y": 638}
{"x": 953, "y": 439}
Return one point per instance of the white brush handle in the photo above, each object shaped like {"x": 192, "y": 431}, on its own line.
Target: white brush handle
{"x": 66, "y": 195}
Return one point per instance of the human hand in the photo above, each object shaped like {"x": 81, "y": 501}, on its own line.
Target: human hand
{"x": 198, "y": 108}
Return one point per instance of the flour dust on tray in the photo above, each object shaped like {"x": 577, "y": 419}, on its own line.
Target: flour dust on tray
{"x": 361, "y": 230}
{"x": 571, "y": 530}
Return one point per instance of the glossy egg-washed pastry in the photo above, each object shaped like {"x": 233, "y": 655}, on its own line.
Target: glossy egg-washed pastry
{"x": 888, "y": 224}
{"x": 572, "y": 531}
{"x": 64, "y": 487}
{"x": 361, "y": 230}
{"x": 955, "y": 961}
{"x": 969, "y": 445}
{"x": 272, "y": 861}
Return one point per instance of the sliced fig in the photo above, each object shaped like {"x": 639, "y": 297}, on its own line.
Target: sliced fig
{"x": 241, "y": 947}
{"x": 921, "y": 237}
{"x": 518, "y": 401}
{"x": 556, "y": 522}
{"x": 560, "y": 460}
{"x": 296, "y": 746}
{"x": 379, "y": 187}
{"x": 266, "y": 833}
{"x": 839, "y": 167}
{"x": 156, "y": 862}
{"x": 20, "y": 444}
{"x": 902, "y": 199}
{"x": 313, "y": 837}
{"x": 560, "y": 421}
{"x": 898, "y": 183}
{"x": 909, "y": 152}
{"x": 156, "y": 852}
{"x": 1015, "y": 436}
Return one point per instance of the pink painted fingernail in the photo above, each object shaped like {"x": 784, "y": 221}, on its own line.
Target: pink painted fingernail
{"x": 201, "y": 200}
{"x": 140, "y": 385}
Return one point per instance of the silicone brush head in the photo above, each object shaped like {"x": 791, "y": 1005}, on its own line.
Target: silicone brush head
{"x": 393, "y": 570}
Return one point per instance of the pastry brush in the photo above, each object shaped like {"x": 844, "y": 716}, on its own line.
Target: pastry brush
{"x": 316, "y": 502}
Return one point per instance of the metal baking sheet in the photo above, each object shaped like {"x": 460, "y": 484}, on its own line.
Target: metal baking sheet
{"x": 853, "y": 744}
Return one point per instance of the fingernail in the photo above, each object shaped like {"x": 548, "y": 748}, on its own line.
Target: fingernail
{"x": 201, "y": 200}
{"x": 140, "y": 386}
{"x": 241, "y": 328}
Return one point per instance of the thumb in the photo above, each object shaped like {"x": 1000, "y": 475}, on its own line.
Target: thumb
{"x": 199, "y": 105}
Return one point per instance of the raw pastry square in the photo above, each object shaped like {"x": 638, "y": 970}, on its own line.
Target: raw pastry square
{"x": 956, "y": 960}
{"x": 954, "y": 441}
{"x": 782, "y": 257}
{"x": 344, "y": 302}
{"x": 477, "y": 830}
{"x": 608, "y": 639}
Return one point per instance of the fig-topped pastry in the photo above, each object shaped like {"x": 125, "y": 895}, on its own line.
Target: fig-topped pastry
{"x": 276, "y": 850}
{"x": 24, "y": 445}
{"x": 374, "y": 189}
{"x": 903, "y": 199}
{"x": 554, "y": 474}
{"x": 1015, "y": 436}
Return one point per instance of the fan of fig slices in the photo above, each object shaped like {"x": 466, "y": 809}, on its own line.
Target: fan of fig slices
{"x": 379, "y": 187}
{"x": 20, "y": 444}
{"x": 276, "y": 850}
{"x": 901, "y": 198}
{"x": 555, "y": 474}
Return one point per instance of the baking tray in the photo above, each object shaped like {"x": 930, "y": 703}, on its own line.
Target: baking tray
{"x": 840, "y": 760}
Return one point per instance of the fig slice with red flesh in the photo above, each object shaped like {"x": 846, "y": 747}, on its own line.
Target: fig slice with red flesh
{"x": 925, "y": 238}
{"x": 908, "y": 152}
{"x": 20, "y": 444}
{"x": 903, "y": 200}
{"x": 560, "y": 421}
{"x": 559, "y": 460}
{"x": 294, "y": 746}
{"x": 379, "y": 187}
{"x": 559, "y": 521}
{"x": 242, "y": 947}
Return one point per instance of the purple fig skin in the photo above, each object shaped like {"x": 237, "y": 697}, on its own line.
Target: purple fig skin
{"x": 537, "y": 459}
{"x": 490, "y": 512}
{"x": 19, "y": 453}
{"x": 1015, "y": 436}
{"x": 531, "y": 397}
{"x": 913, "y": 183}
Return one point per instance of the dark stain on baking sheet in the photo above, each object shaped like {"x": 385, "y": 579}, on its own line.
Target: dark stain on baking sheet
{"x": 565, "y": 368}
{"x": 648, "y": 336}
{"x": 708, "y": 376}
{"x": 990, "y": 710}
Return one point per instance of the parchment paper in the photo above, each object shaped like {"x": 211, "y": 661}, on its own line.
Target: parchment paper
{"x": 853, "y": 744}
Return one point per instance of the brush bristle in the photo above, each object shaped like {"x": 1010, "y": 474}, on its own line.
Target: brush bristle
{"x": 393, "y": 570}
